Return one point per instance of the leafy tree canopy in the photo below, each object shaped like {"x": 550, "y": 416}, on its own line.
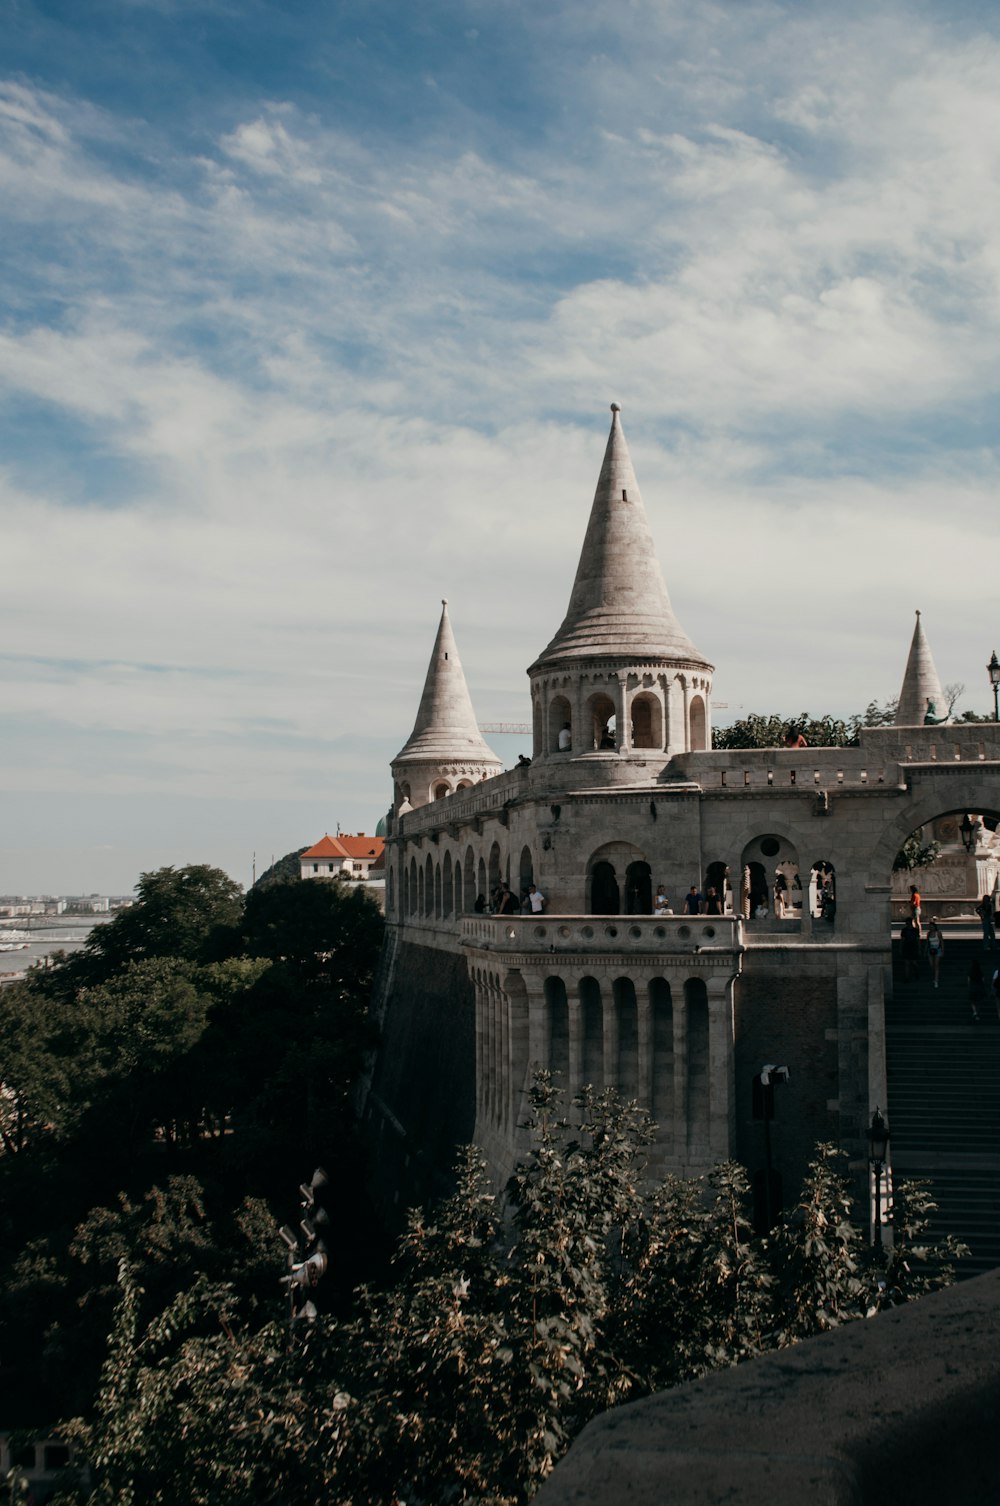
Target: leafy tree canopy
{"x": 512, "y": 1320}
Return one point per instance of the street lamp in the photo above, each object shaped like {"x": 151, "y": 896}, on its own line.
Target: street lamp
{"x": 993, "y": 670}
{"x": 968, "y": 831}
{"x": 878, "y": 1145}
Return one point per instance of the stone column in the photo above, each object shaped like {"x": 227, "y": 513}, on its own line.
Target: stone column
{"x": 686, "y": 740}
{"x": 575, "y": 1012}
{"x": 610, "y": 1038}
{"x": 721, "y": 1068}
{"x": 539, "y": 1046}
{"x": 644, "y": 1014}
{"x": 680, "y": 1067}
{"x": 623, "y": 716}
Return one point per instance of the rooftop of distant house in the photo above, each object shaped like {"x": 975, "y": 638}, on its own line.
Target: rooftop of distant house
{"x": 347, "y": 846}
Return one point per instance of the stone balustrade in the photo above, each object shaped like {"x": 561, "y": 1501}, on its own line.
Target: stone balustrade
{"x": 639, "y": 934}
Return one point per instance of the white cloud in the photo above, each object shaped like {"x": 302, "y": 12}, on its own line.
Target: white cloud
{"x": 353, "y": 373}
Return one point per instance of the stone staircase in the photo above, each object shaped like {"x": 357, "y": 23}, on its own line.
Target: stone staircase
{"x": 944, "y": 1096}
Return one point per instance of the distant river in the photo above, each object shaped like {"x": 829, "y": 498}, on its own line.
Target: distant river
{"x": 38, "y": 937}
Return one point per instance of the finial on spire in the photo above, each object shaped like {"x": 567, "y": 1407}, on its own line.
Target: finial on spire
{"x": 918, "y": 611}
{"x": 615, "y": 408}
{"x": 444, "y": 603}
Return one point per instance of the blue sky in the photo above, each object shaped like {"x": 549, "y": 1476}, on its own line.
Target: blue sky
{"x": 312, "y": 313}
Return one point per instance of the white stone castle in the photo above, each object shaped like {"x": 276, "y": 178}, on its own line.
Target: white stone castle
{"x": 787, "y": 963}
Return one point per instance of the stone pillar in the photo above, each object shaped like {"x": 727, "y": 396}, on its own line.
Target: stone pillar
{"x": 685, "y": 745}
{"x": 721, "y": 1068}
{"x": 623, "y": 716}
{"x": 680, "y": 1126}
{"x": 575, "y": 1011}
{"x": 538, "y": 1024}
{"x": 610, "y": 1039}
{"x": 644, "y": 1013}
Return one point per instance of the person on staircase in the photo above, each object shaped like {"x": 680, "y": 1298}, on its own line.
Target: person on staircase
{"x": 984, "y": 910}
{"x": 909, "y": 946}
{"x": 935, "y": 949}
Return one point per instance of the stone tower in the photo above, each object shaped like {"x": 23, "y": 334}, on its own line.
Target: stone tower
{"x": 621, "y": 677}
{"x": 445, "y": 751}
{"x": 921, "y": 691}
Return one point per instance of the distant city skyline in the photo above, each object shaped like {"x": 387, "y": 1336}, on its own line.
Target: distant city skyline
{"x": 313, "y": 315}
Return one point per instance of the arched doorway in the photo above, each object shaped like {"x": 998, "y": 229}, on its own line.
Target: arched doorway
{"x": 605, "y": 898}
{"x": 601, "y": 712}
{"x": 647, "y": 721}
{"x": 699, "y": 725}
{"x": 638, "y": 889}
{"x": 717, "y": 878}
{"x": 770, "y": 878}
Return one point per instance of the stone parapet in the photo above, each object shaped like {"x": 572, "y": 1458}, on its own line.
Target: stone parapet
{"x": 901, "y": 1408}
{"x": 633, "y": 935}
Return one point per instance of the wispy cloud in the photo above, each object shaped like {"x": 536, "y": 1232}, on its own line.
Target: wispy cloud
{"x": 275, "y": 379}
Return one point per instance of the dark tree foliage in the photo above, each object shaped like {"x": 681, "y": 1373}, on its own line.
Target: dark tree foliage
{"x": 511, "y": 1321}
{"x": 193, "y": 1047}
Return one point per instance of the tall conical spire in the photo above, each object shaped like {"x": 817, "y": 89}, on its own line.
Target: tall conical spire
{"x": 446, "y": 727}
{"x": 920, "y": 684}
{"x": 619, "y": 605}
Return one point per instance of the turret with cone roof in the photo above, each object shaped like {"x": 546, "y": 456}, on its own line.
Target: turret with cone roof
{"x": 620, "y": 652}
{"x": 921, "y": 698}
{"x": 445, "y": 751}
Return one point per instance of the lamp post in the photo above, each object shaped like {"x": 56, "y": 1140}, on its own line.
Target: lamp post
{"x": 968, "y": 831}
{"x": 878, "y": 1144}
{"x": 993, "y": 670}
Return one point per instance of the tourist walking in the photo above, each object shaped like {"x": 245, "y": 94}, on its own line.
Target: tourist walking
{"x": 535, "y": 900}
{"x": 935, "y": 949}
{"x": 909, "y": 946}
{"x": 915, "y": 905}
{"x": 984, "y": 910}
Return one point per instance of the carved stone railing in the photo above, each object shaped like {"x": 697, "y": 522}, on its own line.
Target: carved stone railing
{"x": 599, "y": 933}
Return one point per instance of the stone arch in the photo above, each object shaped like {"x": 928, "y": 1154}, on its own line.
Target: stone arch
{"x": 390, "y": 891}
{"x": 483, "y": 889}
{"x": 698, "y": 724}
{"x": 638, "y": 888}
{"x": 557, "y": 1009}
{"x": 769, "y": 861}
{"x": 978, "y": 792}
{"x": 526, "y": 872}
{"x": 440, "y": 789}
{"x": 494, "y": 874}
{"x": 592, "y": 1030}
{"x": 647, "y": 720}
{"x": 627, "y": 1022}
{"x": 447, "y": 886}
{"x": 463, "y": 784}
{"x": 698, "y": 1074}
{"x": 536, "y": 727}
{"x": 661, "y": 1010}
{"x": 428, "y": 885}
{"x": 469, "y": 882}
{"x": 414, "y": 896}
{"x": 560, "y": 713}
{"x": 607, "y": 873}
{"x": 420, "y": 890}
{"x": 437, "y": 891}
{"x": 601, "y": 721}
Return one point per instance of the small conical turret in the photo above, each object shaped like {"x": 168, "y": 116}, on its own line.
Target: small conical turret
{"x": 445, "y": 750}
{"x": 619, "y": 604}
{"x": 921, "y": 700}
